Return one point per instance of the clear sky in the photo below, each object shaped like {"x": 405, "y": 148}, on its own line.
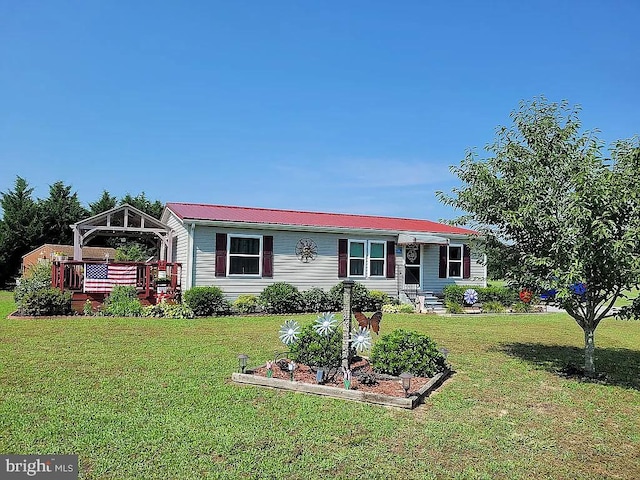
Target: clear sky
{"x": 339, "y": 106}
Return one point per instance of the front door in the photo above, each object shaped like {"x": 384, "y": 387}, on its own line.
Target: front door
{"x": 412, "y": 273}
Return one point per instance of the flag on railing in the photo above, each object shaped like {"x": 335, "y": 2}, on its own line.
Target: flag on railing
{"x": 101, "y": 277}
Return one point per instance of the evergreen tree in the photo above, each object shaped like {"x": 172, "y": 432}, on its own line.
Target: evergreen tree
{"x": 104, "y": 203}
{"x": 19, "y": 228}
{"x": 141, "y": 202}
{"x": 58, "y": 212}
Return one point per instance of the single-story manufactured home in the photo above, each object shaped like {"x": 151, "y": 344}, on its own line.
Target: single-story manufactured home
{"x": 242, "y": 250}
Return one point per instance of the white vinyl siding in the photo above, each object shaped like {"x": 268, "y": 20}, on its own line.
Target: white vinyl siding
{"x": 431, "y": 282}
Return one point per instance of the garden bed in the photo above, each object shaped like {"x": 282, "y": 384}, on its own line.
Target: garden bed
{"x": 387, "y": 391}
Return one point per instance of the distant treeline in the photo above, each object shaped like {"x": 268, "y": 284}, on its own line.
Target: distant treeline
{"x": 27, "y": 223}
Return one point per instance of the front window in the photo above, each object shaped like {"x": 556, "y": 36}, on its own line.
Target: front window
{"x": 455, "y": 261}
{"x": 356, "y": 259}
{"x": 376, "y": 259}
{"x": 244, "y": 255}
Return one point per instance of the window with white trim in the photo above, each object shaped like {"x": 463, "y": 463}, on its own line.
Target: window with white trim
{"x": 244, "y": 254}
{"x": 377, "y": 259}
{"x": 367, "y": 258}
{"x": 356, "y": 258}
{"x": 454, "y": 261}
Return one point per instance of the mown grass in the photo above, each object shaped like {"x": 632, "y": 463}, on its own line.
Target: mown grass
{"x": 150, "y": 398}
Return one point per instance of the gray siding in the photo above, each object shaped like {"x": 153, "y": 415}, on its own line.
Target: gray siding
{"x": 180, "y": 246}
{"x": 321, "y": 272}
{"x": 430, "y": 264}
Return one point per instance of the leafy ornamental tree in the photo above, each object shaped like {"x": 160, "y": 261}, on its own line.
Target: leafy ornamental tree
{"x": 570, "y": 216}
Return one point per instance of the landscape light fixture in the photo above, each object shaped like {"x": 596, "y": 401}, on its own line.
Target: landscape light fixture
{"x": 406, "y": 382}
{"x": 242, "y": 361}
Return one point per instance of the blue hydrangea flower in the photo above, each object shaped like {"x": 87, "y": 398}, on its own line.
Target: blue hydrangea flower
{"x": 289, "y": 332}
{"x": 470, "y": 296}
{"x": 325, "y": 324}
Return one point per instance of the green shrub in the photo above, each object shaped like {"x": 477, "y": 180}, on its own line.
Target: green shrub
{"x": 377, "y": 299}
{"x": 453, "y": 307}
{"x": 313, "y": 349}
{"x": 407, "y": 351}
{"x": 281, "y": 297}
{"x": 246, "y": 304}
{"x": 206, "y": 301}
{"x": 360, "y": 299}
{"x": 317, "y": 300}
{"x": 390, "y": 308}
{"x": 38, "y": 277}
{"x": 168, "y": 310}
{"x": 493, "y": 307}
{"x": 46, "y": 301}
{"x": 455, "y": 294}
{"x": 122, "y": 302}
{"x": 521, "y": 307}
{"x": 133, "y": 252}
{"x": 87, "y": 308}
{"x": 406, "y": 308}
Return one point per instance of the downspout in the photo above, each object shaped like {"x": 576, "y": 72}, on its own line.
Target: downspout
{"x": 190, "y": 256}
{"x": 484, "y": 261}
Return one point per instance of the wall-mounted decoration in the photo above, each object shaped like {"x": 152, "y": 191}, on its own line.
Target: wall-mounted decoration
{"x": 306, "y": 250}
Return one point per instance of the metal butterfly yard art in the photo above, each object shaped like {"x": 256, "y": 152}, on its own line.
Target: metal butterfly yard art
{"x": 372, "y": 323}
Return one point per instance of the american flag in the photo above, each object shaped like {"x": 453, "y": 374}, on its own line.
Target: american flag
{"x": 101, "y": 277}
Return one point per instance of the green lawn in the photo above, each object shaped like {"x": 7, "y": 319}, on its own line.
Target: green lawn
{"x": 150, "y": 398}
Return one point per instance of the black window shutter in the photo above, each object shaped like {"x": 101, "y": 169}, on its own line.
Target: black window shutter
{"x": 221, "y": 254}
{"x": 267, "y": 256}
{"x": 391, "y": 259}
{"x": 444, "y": 252}
{"x": 466, "y": 261}
{"x": 343, "y": 246}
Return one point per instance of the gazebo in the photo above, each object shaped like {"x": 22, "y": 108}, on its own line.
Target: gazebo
{"x": 154, "y": 279}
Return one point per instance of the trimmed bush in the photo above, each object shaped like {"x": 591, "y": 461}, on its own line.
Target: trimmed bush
{"x": 406, "y": 308}
{"x": 377, "y": 299}
{"x": 360, "y": 299}
{"x": 281, "y": 297}
{"x": 317, "y": 300}
{"x": 455, "y": 294}
{"x": 453, "y": 307}
{"x": 47, "y": 301}
{"x": 407, "y": 351}
{"x": 246, "y": 304}
{"x": 313, "y": 349}
{"x": 122, "y": 302}
{"x": 206, "y": 301}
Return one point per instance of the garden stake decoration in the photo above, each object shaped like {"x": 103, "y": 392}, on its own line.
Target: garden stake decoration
{"x": 346, "y": 375}
{"x": 361, "y": 339}
{"x": 470, "y": 296}
{"x": 269, "y": 366}
{"x": 289, "y": 332}
{"x": 525, "y": 295}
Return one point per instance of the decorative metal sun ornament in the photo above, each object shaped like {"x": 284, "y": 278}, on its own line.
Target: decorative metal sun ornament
{"x": 289, "y": 332}
{"x": 325, "y": 324}
{"x": 306, "y": 250}
{"x": 361, "y": 339}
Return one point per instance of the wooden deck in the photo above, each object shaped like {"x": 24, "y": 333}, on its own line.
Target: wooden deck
{"x": 153, "y": 281}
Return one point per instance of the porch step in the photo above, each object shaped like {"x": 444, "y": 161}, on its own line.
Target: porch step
{"x": 427, "y": 302}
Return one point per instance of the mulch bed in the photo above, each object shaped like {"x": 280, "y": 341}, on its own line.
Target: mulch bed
{"x": 361, "y": 372}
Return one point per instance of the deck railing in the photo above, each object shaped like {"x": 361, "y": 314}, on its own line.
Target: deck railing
{"x": 151, "y": 279}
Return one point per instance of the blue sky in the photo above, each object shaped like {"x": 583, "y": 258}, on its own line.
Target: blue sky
{"x": 356, "y": 106}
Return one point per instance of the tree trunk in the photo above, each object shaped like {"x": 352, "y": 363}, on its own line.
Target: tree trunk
{"x": 589, "y": 348}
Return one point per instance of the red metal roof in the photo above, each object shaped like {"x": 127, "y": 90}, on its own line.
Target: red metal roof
{"x": 224, "y": 213}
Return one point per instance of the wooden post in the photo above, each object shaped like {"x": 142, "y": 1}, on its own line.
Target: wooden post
{"x": 346, "y": 323}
